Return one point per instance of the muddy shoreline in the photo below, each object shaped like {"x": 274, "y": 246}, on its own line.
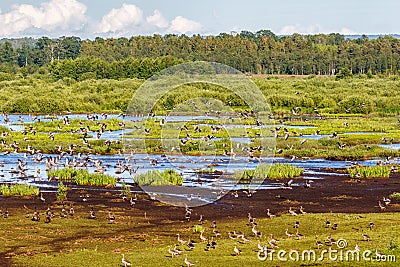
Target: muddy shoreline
{"x": 336, "y": 194}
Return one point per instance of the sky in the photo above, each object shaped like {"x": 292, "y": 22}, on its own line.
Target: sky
{"x": 116, "y": 18}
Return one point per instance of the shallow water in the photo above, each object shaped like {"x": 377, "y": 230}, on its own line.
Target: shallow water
{"x": 186, "y": 165}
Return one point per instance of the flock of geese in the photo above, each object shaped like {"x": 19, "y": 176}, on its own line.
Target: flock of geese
{"x": 69, "y": 157}
{"x": 208, "y": 241}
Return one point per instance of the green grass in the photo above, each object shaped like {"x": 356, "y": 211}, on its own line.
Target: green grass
{"x": 79, "y": 241}
{"x": 395, "y": 195}
{"x": 167, "y": 177}
{"x": 18, "y": 190}
{"x": 369, "y": 171}
{"x": 83, "y": 177}
{"x": 61, "y": 192}
{"x": 274, "y": 171}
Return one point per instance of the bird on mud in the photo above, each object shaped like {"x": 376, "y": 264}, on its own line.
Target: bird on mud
{"x": 91, "y": 214}
{"x": 111, "y": 217}
{"x": 287, "y": 185}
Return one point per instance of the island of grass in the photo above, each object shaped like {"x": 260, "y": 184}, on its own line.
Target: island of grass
{"x": 82, "y": 177}
{"x": 377, "y": 171}
{"x": 18, "y": 190}
{"x": 157, "y": 178}
{"x": 266, "y": 171}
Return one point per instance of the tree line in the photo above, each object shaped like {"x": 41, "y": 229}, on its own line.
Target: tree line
{"x": 261, "y": 52}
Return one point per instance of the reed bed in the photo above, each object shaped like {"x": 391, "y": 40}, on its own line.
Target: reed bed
{"x": 18, "y": 190}
{"x": 83, "y": 177}
{"x": 157, "y": 178}
{"x": 369, "y": 171}
{"x": 265, "y": 171}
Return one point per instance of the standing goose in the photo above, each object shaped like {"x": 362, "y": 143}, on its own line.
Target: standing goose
{"x": 269, "y": 214}
{"x": 187, "y": 262}
{"x": 236, "y": 250}
{"x": 124, "y": 261}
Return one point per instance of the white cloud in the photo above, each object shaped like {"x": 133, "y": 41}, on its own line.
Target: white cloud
{"x": 51, "y": 16}
{"x": 54, "y": 18}
{"x": 311, "y": 29}
{"x": 157, "y": 20}
{"x": 184, "y": 25}
{"x": 121, "y": 19}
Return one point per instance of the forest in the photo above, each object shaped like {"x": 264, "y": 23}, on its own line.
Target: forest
{"x": 262, "y": 52}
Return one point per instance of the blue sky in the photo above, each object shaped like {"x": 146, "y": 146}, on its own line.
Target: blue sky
{"x": 90, "y": 18}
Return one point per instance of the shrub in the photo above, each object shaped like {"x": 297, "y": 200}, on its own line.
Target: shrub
{"x": 61, "y": 192}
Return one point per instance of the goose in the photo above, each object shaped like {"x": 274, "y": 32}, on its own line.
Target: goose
{"x": 245, "y": 240}
{"x": 260, "y": 247}
{"x": 378, "y": 254}
{"x": 269, "y": 214}
{"x": 213, "y": 243}
{"x": 190, "y": 244}
{"x": 208, "y": 245}
{"x": 177, "y": 250}
{"x": 203, "y": 238}
{"x": 327, "y": 223}
{"x": 216, "y": 233}
{"x": 187, "y": 262}
{"x": 335, "y": 226}
{"x": 331, "y": 241}
{"x": 318, "y": 243}
{"x": 296, "y": 224}
{"x": 371, "y": 225}
{"x": 308, "y": 184}
{"x": 298, "y": 235}
{"x": 236, "y": 250}
{"x": 111, "y": 217}
{"x": 180, "y": 240}
{"x": 292, "y": 212}
{"x": 124, "y": 261}
{"x": 172, "y": 252}
{"x": 357, "y": 248}
{"x": 288, "y": 233}
{"x": 382, "y": 207}
{"x": 302, "y": 210}
{"x": 288, "y": 184}
{"x": 42, "y": 198}
{"x": 365, "y": 236}
{"x": 256, "y": 232}
{"x": 386, "y": 201}
{"x": 71, "y": 211}
{"x": 91, "y": 214}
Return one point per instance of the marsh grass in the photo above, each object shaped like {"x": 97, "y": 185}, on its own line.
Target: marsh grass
{"x": 265, "y": 171}
{"x": 61, "y": 192}
{"x": 83, "y": 177}
{"x": 395, "y": 195}
{"x": 369, "y": 171}
{"x": 18, "y": 190}
{"x": 157, "y": 178}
